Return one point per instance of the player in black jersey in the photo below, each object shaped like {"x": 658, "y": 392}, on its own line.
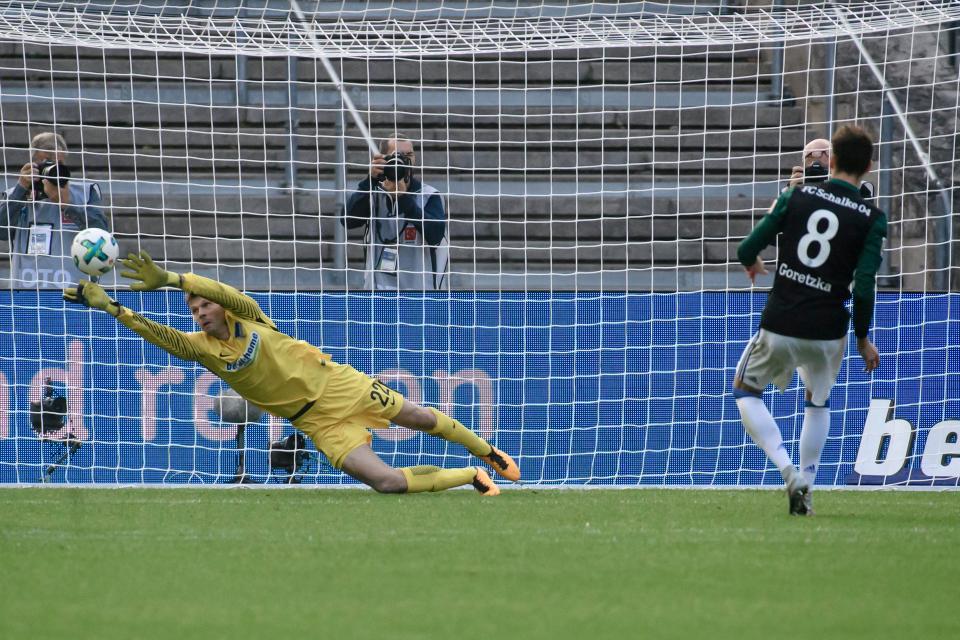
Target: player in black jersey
{"x": 829, "y": 237}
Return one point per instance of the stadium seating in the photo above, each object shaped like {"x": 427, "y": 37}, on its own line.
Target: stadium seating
{"x": 549, "y": 185}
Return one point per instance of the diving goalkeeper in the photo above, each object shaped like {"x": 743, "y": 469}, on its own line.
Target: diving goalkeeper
{"x": 332, "y": 403}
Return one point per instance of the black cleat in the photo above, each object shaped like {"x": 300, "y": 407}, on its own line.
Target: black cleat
{"x": 798, "y": 502}
{"x": 799, "y": 494}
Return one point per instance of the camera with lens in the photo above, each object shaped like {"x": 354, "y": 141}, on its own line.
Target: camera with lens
{"x": 816, "y": 172}
{"x": 396, "y": 167}
{"x": 52, "y": 172}
{"x": 290, "y": 454}
{"x": 49, "y": 414}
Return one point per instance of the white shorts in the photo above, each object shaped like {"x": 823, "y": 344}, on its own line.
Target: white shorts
{"x": 771, "y": 357}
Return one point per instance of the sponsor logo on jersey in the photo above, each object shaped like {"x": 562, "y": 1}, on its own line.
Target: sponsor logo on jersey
{"x": 249, "y": 355}
{"x": 815, "y": 282}
{"x": 843, "y": 201}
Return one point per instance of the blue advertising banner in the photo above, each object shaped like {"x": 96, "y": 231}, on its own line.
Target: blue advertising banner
{"x": 599, "y": 388}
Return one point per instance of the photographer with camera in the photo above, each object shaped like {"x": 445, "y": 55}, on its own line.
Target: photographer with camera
{"x": 816, "y": 168}
{"x": 816, "y": 163}
{"x": 41, "y": 214}
{"x": 404, "y": 220}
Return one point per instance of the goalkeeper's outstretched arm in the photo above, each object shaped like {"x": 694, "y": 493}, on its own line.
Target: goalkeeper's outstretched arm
{"x": 141, "y": 267}
{"x": 167, "y": 338}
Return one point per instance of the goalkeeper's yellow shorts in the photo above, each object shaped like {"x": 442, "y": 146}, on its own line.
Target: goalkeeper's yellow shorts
{"x": 351, "y": 404}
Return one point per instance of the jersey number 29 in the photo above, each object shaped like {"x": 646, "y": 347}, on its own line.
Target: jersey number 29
{"x": 816, "y": 238}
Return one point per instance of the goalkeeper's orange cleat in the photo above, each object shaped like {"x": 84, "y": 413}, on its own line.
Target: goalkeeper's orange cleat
{"x": 483, "y": 484}
{"x": 502, "y": 464}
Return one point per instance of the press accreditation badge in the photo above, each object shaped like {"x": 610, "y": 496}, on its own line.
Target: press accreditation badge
{"x": 388, "y": 261}
{"x": 40, "y": 236}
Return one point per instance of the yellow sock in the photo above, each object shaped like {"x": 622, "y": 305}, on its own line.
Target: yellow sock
{"x": 452, "y": 431}
{"x": 426, "y": 477}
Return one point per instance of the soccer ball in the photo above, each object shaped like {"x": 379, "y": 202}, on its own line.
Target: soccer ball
{"x": 94, "y": 251}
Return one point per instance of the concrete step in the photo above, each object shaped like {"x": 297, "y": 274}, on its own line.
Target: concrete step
{"x": 288, "y": 228}
{"x": 518, "y": 252}
{"x": 508, "y": 162}
{"x": 224, "y": 250}
{"x": 669, "y": 252}
{"x": 592, "y": 67}
{"x": 152, "y": 140}
{"x": 461, "y": 100}
{"x": 253, "y": 118}
{"x": 489, "y": 201}
{"x": 516, "y": 73}
{"x": 231, "y": 226}
{"x": 607, "y": 230}
{"x": 584, "y": 66}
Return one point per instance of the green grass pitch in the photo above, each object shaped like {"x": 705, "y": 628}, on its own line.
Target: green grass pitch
{"x": 183, "y": 563}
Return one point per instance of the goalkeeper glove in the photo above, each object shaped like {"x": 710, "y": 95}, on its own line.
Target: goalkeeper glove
{"x": 141, "y": 267}
{"x": 92, "y": 295}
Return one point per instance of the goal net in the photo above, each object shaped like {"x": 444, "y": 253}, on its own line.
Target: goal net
{"x": 574, "y": 296}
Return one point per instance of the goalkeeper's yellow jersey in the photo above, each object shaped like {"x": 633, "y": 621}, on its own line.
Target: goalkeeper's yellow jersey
{"x": 272, "y": 370}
